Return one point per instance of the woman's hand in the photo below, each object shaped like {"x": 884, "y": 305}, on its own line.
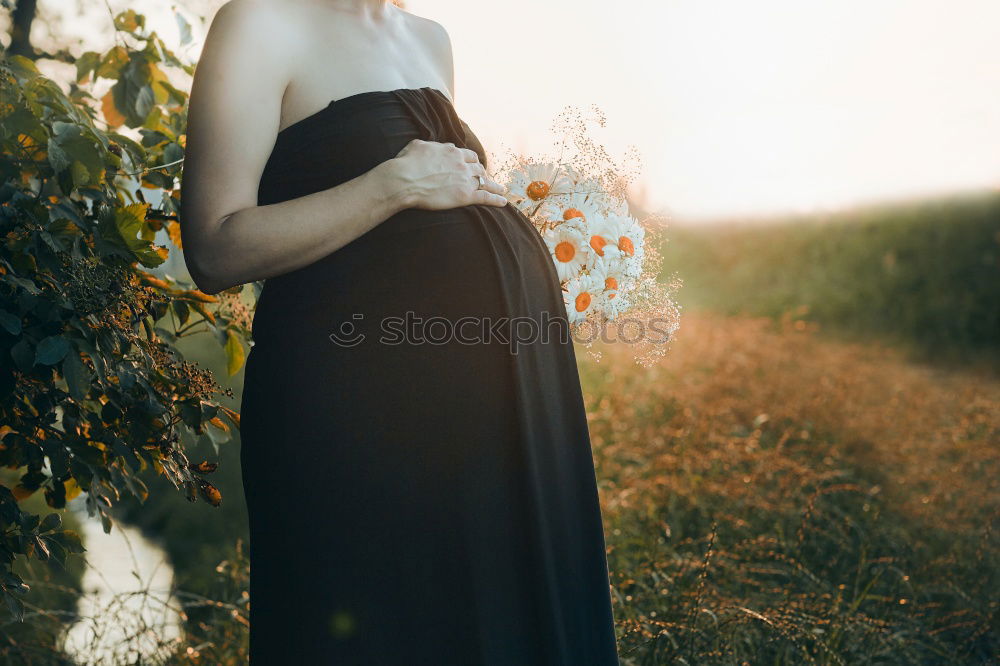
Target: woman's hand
{"x": 436, "y": 176}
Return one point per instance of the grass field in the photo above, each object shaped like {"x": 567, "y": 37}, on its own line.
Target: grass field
{"x": 923, "y": 275}
{"x": 812, "y": 474}
{"x": 772, "y": 497}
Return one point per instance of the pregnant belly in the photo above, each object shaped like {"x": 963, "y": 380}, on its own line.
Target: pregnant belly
{"x": 471, "y": 261}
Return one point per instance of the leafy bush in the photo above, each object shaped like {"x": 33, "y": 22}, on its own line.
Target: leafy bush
{"x": 93, "y": 389}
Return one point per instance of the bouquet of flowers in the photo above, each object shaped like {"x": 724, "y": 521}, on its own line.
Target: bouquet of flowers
{"x": 606, "y": 265}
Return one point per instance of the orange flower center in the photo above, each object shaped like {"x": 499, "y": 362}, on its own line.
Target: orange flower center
{"x": 570, "y": 213}
{"x": 537, "y": 190}
{"x": 625, "y": 245}
{"x": 582, "y": 301}
{"x": 610, "y": 283}
{"x": 598, "y": 243}
{"x": 565, "y": 251}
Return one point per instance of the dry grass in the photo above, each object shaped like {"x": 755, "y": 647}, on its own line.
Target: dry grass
{"x": 847, "y": 494}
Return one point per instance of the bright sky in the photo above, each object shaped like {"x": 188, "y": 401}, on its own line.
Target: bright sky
{"x": 736, "y": 107}
{"x": 747, "y": 107}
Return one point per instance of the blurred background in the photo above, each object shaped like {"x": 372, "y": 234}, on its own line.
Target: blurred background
{"x": 811, "y": 474}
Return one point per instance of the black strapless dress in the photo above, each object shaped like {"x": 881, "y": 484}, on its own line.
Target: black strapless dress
{"x": 419, "y": 491}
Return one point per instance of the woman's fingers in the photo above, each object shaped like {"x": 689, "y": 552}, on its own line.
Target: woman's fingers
{"x": 493, "y": 186}
{"x": 483, "y": 196}
{"x": 491, "y": 193}
{"x": 478, "y": 169}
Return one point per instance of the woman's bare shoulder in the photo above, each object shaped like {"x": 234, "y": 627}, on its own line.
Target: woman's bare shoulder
{"x": 270, "y": 27}
{"x": 263, "y": 21}
{"x": 436, "y": 39}
{"x": 434, "y": 34}
{"x": 260, "y": 37}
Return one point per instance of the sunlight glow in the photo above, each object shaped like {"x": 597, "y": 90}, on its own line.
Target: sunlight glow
{"x": 736, "y": 107}
{"x": 747, "y": 107}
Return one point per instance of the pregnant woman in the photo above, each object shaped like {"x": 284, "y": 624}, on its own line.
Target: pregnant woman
{"x": 420, "y": 487}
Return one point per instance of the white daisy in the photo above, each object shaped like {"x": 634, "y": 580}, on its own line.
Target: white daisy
{"x": 594, "y": 191}
{"x": 567, "y": 244}
{"x": 625, "y": 241}
{"x": 536, "y": 181}
{"x": 577, "y": 207}
{"x": 601, "y": 233}
{"x": 611, "y": 275}
{"x": 581, "y": 296}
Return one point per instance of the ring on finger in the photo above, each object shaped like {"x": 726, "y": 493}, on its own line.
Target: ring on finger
{"x": 482, "y": 181}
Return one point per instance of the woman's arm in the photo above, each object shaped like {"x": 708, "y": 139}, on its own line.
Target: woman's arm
{"x": 233, "y": 118}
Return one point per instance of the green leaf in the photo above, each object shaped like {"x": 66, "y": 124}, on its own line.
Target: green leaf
{"x": 182, "y": 311}
{"x": 69, "y": 540}
{"x": 184, "y": 27}
{"x": 235, "y": 355}
{"x": 71, "y": 148}
{"x": 64, "y": 228}
{"x": 173, "y": 153}
{"x": 86, "y": 64}
{"x": 77, "y": 376}
{"x": 23, "y": 67}
{"x": 56, "y": 551}
{"x": 80, "y": 174}
{"x": 129, "y": 21}
{"x": 176, "y": 95}
{"x": 51, "y": 350}
{"x": 144, "y": 101}
{"x": 23, "y": 354}
{"x": 123, "y": 228}
{"x": 112, "y": 63}
{"x": 58, "y": 158}
{"x": 133, "y": 93}
{"x": 28, "y": 285}
{"x": 106, "y": 523}
{"x": 40, "y": 548}
{"x": 14, "y": 605}
{"x": 10, "y": 323}
{"x": 20, "y": 121}
{"x": 136, "y": 153}
{"x": 50, "y": 522}
{"x": 191, "y": 415}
